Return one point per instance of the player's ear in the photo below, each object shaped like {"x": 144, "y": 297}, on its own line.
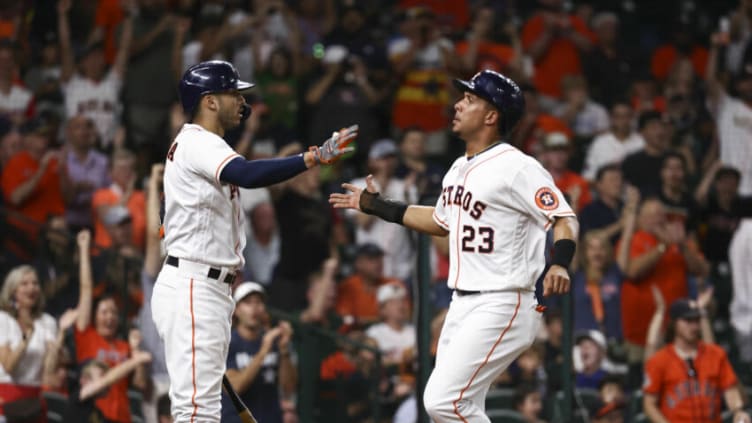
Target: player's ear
{"x": 492, "y": 117}
{"x": 211, "y": 102}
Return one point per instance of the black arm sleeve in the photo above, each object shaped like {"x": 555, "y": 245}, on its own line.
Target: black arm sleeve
{"x": 261, "y": 173}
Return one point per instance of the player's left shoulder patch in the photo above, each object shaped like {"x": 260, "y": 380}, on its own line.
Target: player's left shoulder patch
{"x": 546, "y": 199}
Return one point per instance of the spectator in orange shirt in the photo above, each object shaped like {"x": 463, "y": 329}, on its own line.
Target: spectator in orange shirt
{"x": 680, "y": 48}
{"x": 535, "y": 124}
{"x": 555, "y": 40}
{"x": 554, "y": 157}
{"x": 685, "y": 379}
{"x": 451, "y": 15}
{"x": 31, "y": 186}
{"x": 108, "y": 17}
{"x": 96, "y": 338}
{"x": 122, "y": 192}
{"x": 661, "y": 255}
{"x": 483, "y": 49}
{"x": 422, "y": 60}
{"x": 356, "y": 295}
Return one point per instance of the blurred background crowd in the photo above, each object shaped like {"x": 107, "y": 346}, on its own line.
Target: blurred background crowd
{"x": 641, "y": 111}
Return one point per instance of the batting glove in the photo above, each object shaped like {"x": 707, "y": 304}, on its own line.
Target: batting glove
{"x": 336, "y": 146}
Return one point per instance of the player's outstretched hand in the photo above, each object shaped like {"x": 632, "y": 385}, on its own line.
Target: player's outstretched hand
{"x": 556, "y": 281}
{"x": 351, "y": 199}
{"x": 336, "y": 146}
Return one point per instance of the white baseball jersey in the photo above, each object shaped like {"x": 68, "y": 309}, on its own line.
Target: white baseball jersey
{"x": 97, "y": 100}
{"x": 497, "y": 207}
{"x": 16, "y": 101}
{"x": 734, "y": 120}
{"x": 203, "y": 219}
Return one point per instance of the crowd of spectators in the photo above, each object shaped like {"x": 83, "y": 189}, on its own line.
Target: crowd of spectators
{"x": 641, "y": 111}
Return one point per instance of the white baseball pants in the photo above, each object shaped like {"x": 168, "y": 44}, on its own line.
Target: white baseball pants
{"x": 481, "y": 336}
{"x": 193, "y": 314}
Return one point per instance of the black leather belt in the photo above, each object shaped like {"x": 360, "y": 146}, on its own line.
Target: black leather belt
{"x": 213, "y": 272}
{"x": 462, "y": 292}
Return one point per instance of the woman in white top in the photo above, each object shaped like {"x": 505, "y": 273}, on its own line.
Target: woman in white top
{"x": 25, "y": 336}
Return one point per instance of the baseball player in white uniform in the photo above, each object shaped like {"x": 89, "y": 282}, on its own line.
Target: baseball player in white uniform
{"x": 204, "y": 237}
{"x": 496, "y": 206}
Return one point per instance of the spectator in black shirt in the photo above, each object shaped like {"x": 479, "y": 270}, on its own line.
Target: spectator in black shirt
{"x": 673, "y": 193}
{"x": 607, "y": 67}
{"x": 95, "y": 379}
{"x": 604, "y": 213}
{"x": 643, "y": 169}
{"x": 305, "y": 228}
{"x": 715, "y": 195}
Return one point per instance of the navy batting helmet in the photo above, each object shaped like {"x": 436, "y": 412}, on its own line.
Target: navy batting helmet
{"x": 214, "y": 76}
{"x": 501, "y": 92}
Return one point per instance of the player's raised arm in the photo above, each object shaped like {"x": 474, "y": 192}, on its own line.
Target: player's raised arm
{"x": 369, "y": 201}
{"x": 265, "y": 172}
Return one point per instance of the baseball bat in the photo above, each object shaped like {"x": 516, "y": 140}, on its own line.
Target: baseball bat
{"x": 243, "y": 411}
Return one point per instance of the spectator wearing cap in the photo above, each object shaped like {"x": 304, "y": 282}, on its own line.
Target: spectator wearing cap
{"x": 395, "y": 338}
{"x": 592, "y": 348}
{"x": 613, "y": 146}
{"x": 356, "y": 295}
{"x": 686, "y": 379}
{"x": 554, "y": 157}
{"x": 117, "y": 268}
{"x": 586, "y": 117}
{"x": 122, "y": 192}
{"x": 555, "y": 40}
{"x": 92, "y": 90}
{"x": 643, "y": 168}
{"x": 15, "y": 100}
{"x": 85, "y": 170}
{"x": 394, "y": 333}
{"x": 393, "y": 239}
{"x": 259, "y": 366}
{"x": 31, "y": 185}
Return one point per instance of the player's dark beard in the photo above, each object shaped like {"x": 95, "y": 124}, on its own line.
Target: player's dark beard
{"x": 228, "y": 118}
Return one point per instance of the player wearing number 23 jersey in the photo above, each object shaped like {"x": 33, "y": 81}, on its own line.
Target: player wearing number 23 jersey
{"x": 495, "y": 207}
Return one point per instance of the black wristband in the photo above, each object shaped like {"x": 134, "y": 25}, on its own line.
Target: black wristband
{"x": 389, "y": 210}
{"x": 563, "y": 252}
